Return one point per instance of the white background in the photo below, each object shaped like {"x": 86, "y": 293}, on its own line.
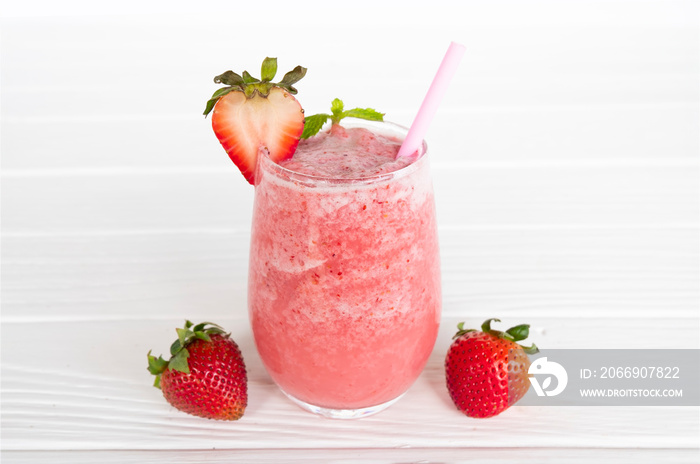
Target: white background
{"x": 565, "y": 161}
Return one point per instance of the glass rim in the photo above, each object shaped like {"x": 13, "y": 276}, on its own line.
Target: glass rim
{"x": 380, "y": 127}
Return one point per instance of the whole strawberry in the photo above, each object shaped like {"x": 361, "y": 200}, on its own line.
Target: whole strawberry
{"x": 486, "y": 371}
{"x": 253, "y": 114}
{"x": 205, "y": 375}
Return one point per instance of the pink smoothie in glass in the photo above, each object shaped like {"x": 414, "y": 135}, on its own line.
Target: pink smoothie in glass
{"x": 344, "y": 282}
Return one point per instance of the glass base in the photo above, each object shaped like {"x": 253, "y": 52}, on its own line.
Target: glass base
{"x": 343, "y": 413}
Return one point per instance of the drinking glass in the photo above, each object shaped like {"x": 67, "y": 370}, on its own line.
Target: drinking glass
{"x": 344, "y": 283}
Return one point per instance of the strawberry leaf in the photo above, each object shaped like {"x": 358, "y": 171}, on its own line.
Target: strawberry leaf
{"x": 486, "y": 326}
{"x": 248, "y": 79}
{"x": 514, "y": 334}
{"x": 269, "y": 69}
{"x": 288, "y": 88}
{"x": 175, "y": 347}
{"x": 179, "y": 361}
{"x": 532, "y": 349}
{"x": 202, "y": 336}
{"x": 313, "y": 124}
{"x": 199, "y": 327}
{"x": 156, "y": 365}
{"x": 183, "y": 335}
{"x": 293, "y": 76}
{"x": 461, "y": 330}
{"x": 519, "y": 332}
{"x": 215, "y": 97}
{"x": 229, "y": 78}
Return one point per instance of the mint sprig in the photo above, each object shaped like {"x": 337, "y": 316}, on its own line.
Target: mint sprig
{"x": 314, "y": 123}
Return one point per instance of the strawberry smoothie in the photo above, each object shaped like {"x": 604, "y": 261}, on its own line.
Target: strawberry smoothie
{"x": 344, "y": 282}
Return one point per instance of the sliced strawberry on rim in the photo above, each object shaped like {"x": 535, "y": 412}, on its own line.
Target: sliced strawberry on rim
{"x": 252, "y": 114}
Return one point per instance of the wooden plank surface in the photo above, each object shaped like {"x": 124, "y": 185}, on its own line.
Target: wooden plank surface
{"x": 85, "y": 386}
{"x": 556, "y": 196}
{"x": 579, "y": 273}
{"x": 359, "y": 456}
{"x": 566, "y": 170}
{"x": 658, "y": 132}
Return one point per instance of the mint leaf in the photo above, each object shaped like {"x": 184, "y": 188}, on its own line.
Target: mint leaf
{"x": 269, "y": 69}
{"x": 313, "y": 124}
{"x": 364, "y": 113}
{"x": 337, "y": 107}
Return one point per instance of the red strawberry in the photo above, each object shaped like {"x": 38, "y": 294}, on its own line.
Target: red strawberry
{"x": 205, "y": 376}
{"x": 252, "y": 114}
{"x": 487, "y": 371}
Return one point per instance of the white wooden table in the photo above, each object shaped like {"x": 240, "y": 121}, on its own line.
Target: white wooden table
{"x": 566, "y": 171}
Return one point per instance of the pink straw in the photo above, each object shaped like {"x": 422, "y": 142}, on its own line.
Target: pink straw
{"x": 432, "y": 100}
